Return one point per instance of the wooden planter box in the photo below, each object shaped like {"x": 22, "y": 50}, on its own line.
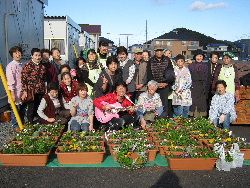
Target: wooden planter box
{"x": 24, "y": 159}
{"x": 246, "y": 153}
{"x": 191, "y": 163}
{"x": 80, "y": 157}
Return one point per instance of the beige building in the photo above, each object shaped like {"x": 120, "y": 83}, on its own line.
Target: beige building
{"x": 186, "y": 48}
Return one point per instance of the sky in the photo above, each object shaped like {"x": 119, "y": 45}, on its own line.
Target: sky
{"x": 220, "y": 19}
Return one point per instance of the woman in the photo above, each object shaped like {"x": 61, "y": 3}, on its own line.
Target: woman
{"x": 82, "y": 72}
{"x": 150, "y": 105}
{"x": 33, "y": 77}
{"x": 200, "y": 85}
{"x": 228, "y": 72}
{"x": 118, "y": 98}
{"x": 222, "y": 111}
{"x": 94, "y": 69}
{"x": 108, "y": 78}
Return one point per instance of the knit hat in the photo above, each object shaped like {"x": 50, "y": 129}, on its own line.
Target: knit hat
{"x": 229, "y": 54}
{"x": 199, "y": 52}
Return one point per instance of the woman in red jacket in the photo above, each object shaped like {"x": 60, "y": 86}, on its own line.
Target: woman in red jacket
{"x": 118, "y": 98}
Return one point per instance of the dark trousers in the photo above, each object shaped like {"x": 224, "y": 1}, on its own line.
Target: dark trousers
{"x": 164, "y": 98}
{"x": 32, "y": 107}
{"x": 123, "y": 121}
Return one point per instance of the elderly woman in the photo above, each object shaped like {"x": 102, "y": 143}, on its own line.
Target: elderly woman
{"x": 222, "y": 111}
{"x": 150, "y": 104}
{"x": 228, "y": 72}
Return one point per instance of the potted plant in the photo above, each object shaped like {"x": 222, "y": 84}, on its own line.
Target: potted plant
{"x": 193, "y": 159}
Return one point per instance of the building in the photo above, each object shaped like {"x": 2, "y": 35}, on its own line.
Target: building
{"x": 22, "y": 25}
{"x": 243, "y": 47}
{"x": 94, "y": 32}
{"x": 184, "y": 47}
{"x": 213, "y": 47}
{"x": 63, "y": 33}
{"x": 85, "y": 41}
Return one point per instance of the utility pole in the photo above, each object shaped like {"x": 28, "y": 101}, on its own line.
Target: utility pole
{"x": 127, "y": 37}
{"x": 146, "y": 30}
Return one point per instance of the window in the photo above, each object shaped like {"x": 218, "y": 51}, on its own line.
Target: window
{"x": 183, "y": 43}
{"x": 58, "y": 43}
{"x": 168, "y": 43}
{"x": 157, "y": 42}
{"x": 183, "y": 52}
{"x": 46, "y": 43}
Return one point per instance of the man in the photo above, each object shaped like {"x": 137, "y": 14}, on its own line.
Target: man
{"x": 150, "y": 104}
{"x": 103, "y": 54}
{"x": 161, "y": 70}
{"x": 140, "y": 72}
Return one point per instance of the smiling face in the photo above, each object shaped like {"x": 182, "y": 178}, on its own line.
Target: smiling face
{"x": 17, "y": 56}
{"x": 56, "y": 55}
{"x": 138, "y": 56}
{"x": 113, "y": 66}
{"x": 152, "y": 89}
{"x": 67, "y": 79}
{"x": 36, "y": 57}
{"x": 220, "y": 89}
{"x": 159, "y": 54}
{"x": 103, "y": 49}
{"x": 199, "y": 58}
{"x": 168, "y": 53}
{"x": 92, "y": 56}
{"x": 121, "y": 91}
{"x": 122, "y": 56}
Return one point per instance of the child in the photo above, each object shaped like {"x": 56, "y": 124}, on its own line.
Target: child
{"x": 50, "y": 107}
{"x": 81, "y": 110}
{"x": 181, "y": 89}
{"x": 68, "y": 89}
{"x": 222, "y": 111}
{"x": 82, "y": 72}
{"x": 33, "y": 83}
{"x": 13, "y": 74}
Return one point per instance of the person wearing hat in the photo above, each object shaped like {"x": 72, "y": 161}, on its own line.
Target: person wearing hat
{"x": 140, "y": 72}
{"x": 200, "y": 85}
{"x": 229, "y": 73}
{"x": 161, "y": 70}
{"x": 103, "y": 53}
{"x": 182, "y": 99}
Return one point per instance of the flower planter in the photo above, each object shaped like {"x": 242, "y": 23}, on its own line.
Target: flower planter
{"x": 191, "y": 163}
{"x": 80, "y": 157}
{"x": 24, "y": 159}
{"x": 246, "y": 153}
{"x": 152, "y": 154}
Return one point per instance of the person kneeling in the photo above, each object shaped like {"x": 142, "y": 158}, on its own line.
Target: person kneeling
{"x": 150, "y": 104}
{"x": 49, "y": 110}
{"x": 222, "y": 111}
{"x": 81, "y": 110}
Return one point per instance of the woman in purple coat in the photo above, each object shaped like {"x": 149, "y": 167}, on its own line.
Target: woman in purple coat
{"x": 200, "y": 85}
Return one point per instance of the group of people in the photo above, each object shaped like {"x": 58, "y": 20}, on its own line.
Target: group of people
{"x": 115, "y": 91}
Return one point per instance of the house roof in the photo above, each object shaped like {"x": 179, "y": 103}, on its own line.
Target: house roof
{"x": 55, "y": 17}
{"x": 91, "y": 29}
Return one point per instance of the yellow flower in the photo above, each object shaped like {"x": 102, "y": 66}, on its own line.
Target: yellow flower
{"x": 201, "y": 135}
{"x": 228, "y": 139}
{"x": 129, "y": 154}
{"x": 211, "y": 140}
{"x": 206, "y": 134}
{"x": 93, "y": 147}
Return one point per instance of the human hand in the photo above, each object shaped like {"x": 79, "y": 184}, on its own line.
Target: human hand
{"x": 222, "y": 118}
{"x": 143, "y": 123}
{"x": 106, "y": 108}
{"x": 139, "y": 86}
{"x": 51, "y": 120}
{"x": 24, "y": 95}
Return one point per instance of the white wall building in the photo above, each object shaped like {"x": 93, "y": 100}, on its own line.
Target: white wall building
{"x": 63, "y": 33}
{"x": 21, "y": 25}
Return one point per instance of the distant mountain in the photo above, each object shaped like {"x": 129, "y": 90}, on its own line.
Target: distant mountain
{"x": 187, "y": 35}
